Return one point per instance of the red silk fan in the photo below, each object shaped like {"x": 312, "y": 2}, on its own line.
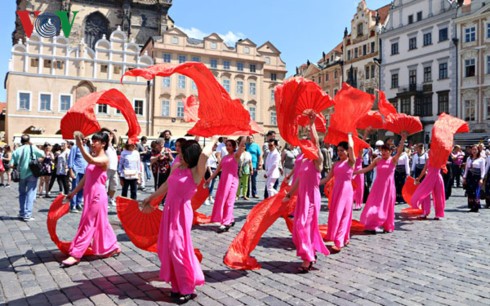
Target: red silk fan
{"x": 293, "y": 98}
{"x": 385, "y": 107}
{"x": 196, "y": 202}
{"x": 442, "y": 138}
{"x": 260, "y": 218}
{"x": 141, "y": 227}
{"x": 372, "y": 120}
{"x": 218, "y": 114}
{"x": 335, "y": 136}
{"x": 397, "y": 123}
{"x": 357, "y": 228}
{"x": 351, "y": 105}
{"x": 56, "y": 211}
{"x": 408, "y": 189}
{"x": 191, "y": 107}
{"x": 81, "y": 116}
{"x": 412, "y": 212}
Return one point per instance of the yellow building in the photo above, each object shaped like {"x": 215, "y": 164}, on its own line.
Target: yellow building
{"x": 247, "y": 71}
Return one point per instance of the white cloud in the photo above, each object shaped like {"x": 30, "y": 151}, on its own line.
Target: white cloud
{"x": 230, "y": 38}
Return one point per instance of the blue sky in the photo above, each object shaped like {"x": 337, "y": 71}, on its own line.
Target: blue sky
{"x": 301, "y": 30}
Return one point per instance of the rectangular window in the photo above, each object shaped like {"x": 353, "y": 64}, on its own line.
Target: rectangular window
{"x": 469, "y": 110}
{"x": 251, "y": 110}
{"x": 327, "y": 76}
{"x": 373, "y": 71}
{"x": 226, "y": 85}
{"x": 348, "y": 55}
{"x": 405, "y": 105}
{"x": 427, "y": 39}
{"x": 181, "y": 81}
{"x": 394, "y": 48}
{"x": 45, "y": 103}
{"x": 59, "y": 64}
{"x": 427, "y": 74}
{"x": 488, "y": 107}
{"x": 252, "y": 89}
{"x": 356, "y": 54}
{"x": 214, "y": 63}
{"x": 196, "y": 59}
{"x": 273, "y": 99}
{"x": 47, "y": 63}
{"x": 412, "y": 77}
{"x": 182, "y": 59}
{"x": 427, "y": 105}
{"x": 116, "y": 69}
{"x": 252, "y": 68}
{"x": 273, "y": 118}
{"x": 65, "y": 103}
{"x": 167, "y": 57}
{"x": 335, "y": 74}
{"x": 104, "y": 68}
{"x": 24, "y": 101}
{"x": 373, "y": 46}
{"x": 213, "y": 45}
{"x": 443, "y": 103}
{"x": 410, "y": 19}
{"x": 138, "y": 107}
{"x": 193, "y": 85}
{"x": 175, "y": 40}
{"x": 488, "y": 64}
{"x": 102, "y": 108}
{"x": 394, "y": 80}
{"x": 488, "y": 30}
{"x": 443, "y": 34}
{"x": 364, "y": 50}
{"x": 419, "y": 16}
{"x": 166, "y": 108}
{"x": 166, "y": 82}
{"x": 34, "y": 62}
{"x": 367, "y": 72}
{"x": 412, "y": 43}
{"x": 180, "y": 109}
{"x": 443, "y": 71}
{"x": 470, "y": 34}
{"x": 273, "y": 77}
{"x": 469, "y": 67}
{"x": 226, "y": 65}
{"x": 239, "y": 87}
{"x": 239, "y": 66}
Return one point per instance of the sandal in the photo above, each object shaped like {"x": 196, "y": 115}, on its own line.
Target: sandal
{"x": 114, "y": 253}
{"x": 69, "y": 262}
{"x": 304, "y": 270}
{"x": 222, "y": 229}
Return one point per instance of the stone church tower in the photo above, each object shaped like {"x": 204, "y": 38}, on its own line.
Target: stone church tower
{"x": 140, "y": 19}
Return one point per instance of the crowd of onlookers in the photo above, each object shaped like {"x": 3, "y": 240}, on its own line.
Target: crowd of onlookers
{"x": 133, "y": 165}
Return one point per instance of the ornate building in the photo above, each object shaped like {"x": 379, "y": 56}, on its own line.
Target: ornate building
{"x": 139, "y": 19}
{"x": 361, "y": 49}
{"x": 473, "y": 68}
{"x": 247, "y": 71}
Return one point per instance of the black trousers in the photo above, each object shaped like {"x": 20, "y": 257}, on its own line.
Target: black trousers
{"x": 133, "y": 184}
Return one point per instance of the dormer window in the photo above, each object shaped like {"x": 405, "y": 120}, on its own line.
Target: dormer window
{"x": 213, "y": 45}
{"x": 360, "y": 30}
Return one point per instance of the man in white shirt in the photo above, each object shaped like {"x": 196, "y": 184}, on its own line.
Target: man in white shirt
{"x": 272, "y": 165}
{"x": 221, "y": 148}
{"x": 112, "y": 170}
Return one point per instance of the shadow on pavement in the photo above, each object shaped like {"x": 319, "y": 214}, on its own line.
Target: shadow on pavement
{"x": 218, "y": 276}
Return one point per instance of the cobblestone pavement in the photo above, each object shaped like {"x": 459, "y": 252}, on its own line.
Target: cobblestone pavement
{"x": 423, "y": 262}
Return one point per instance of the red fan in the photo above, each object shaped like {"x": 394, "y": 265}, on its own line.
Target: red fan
{"x": 293, "y": 98}
{"x": 335, "y": 136}
{"x": 327, "y": 190}
{"x": 357, "y": 228}
{"x": 372, "y": 120}
{"x": 320, "y": 122}
{"x": 397, "y": 123}
{"x": 81, "y": 116}
{"x": 408, "y": 189}
{"x": 260, "y": 218}
{"x": 412, "y": 212}
{"x": 385, "y": 107}
{"x": 191, "y": 109}
{"x": 442, "y": 138}
{"x": 218, "y": 113}
{"x": 57, "y": 210}
{"x": 351, "y": 105}
{"x": 141, "y": 227}
{"x": 197, "y": 200}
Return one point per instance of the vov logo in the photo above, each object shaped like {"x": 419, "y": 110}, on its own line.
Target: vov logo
{"x": 47, "y": 24}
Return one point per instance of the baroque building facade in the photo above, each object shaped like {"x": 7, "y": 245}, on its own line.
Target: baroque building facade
{"x": 247, "y": 71}
{"x": 418, "y": 56}
{"x": 361, "y": 49}
{"x": 473, "y": 66}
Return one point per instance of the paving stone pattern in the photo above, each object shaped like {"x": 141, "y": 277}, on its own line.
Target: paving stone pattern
{"x": 429, "y": 262}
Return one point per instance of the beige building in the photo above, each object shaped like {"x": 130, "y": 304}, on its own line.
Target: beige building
{"x": 47, "y": 75}
{"x": 473, "y": 77}
{"x": 247, "y": 71}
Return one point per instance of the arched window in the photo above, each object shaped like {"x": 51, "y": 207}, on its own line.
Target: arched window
{"x": 96, "y": 25}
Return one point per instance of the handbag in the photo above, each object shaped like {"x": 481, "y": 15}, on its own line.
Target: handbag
{"x": 130, "y": 174}
{"x": 15, "y": 175}
{"x": 35, "y": 166}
